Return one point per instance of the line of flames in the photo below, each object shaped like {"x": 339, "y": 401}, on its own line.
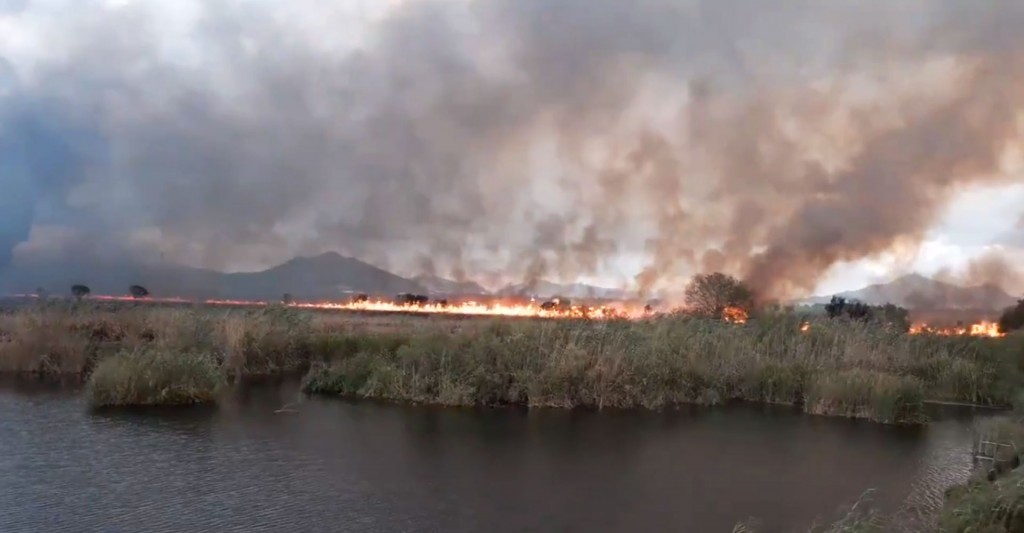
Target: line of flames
{"x": 733, "y": 315}
{"x": 470, "y": 308}
{"x": 984, "y": 328}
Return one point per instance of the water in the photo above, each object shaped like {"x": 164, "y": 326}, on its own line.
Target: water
{"x": 338, "y": 466}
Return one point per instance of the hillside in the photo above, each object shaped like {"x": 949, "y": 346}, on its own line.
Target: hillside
{"x": 326, "y": 276}
{"x": 547, "y": 289}
{"x": 914, "y": 291}
{"x": 439, "y": 285}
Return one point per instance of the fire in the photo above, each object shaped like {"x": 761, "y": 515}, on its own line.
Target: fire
{"x": 736, "y": 315}
{"x": 483, "y": 309}
{"x": 984, "y": 328}
{"x": 472, "y": 308}
{"x": 805, "y": 327}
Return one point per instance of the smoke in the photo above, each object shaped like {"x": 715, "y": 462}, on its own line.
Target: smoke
{"x": 515, "y": 139}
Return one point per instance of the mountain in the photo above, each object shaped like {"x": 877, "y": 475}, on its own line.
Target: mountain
{"x": 326, "y": 276}
{"x": 439, "y": 285}
{"x": 547, "y": 289}
{"x": 915, "y": 291}
{"x": 329, "y": 275}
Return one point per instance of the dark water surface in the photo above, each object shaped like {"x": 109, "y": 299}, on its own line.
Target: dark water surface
{"x": 338, "y": 466}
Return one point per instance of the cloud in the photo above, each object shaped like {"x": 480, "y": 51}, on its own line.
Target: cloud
{"x": 517, "y": 138}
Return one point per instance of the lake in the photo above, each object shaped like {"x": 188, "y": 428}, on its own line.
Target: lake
{"x": 332, "y": 465}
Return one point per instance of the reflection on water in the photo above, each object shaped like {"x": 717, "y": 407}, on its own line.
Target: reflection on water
{"x": 337, "y": 466}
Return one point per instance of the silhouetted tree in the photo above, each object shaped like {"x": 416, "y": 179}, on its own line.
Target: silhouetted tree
{"x": 858, "y": 311}
{"x": 1013, "y": 318}
{"x": 411, "y": 299}
{"x": 893, "y": 316}
{"x": 80, "y": 291}
{"x": 287, "y": 299}
{"x": 835, "y": 307}
{"x": 889, "y": 314}
{"x": 710, "y": 294}
{"x": 138, "y": 291}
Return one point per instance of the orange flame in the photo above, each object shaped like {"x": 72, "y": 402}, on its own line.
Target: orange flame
{"x": 735, "y": 315}
{"x": 506, "y": 309}
{"x": 805, "y": 327}
{"x": 984, "y": 328}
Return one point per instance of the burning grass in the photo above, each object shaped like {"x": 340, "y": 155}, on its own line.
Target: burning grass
{"x": 829, "y": 367}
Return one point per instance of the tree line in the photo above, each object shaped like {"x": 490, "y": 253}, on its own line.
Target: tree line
{"x": 709, "y": 295}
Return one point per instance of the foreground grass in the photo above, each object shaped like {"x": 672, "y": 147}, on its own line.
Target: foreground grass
{"x": 154, "y": 377}
{"x": 993, "y": 500}
{"x": 836, "y": 368}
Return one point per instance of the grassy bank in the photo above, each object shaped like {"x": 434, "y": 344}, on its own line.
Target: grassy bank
{"x": 836, "y": 368}
{"x": 993, "y": 500}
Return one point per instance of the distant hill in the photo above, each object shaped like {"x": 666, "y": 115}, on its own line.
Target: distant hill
{"x": 326, "y": 276}
{"x": 547, "y": 289}
{"x": 439, "y": 285}
{"x": 915, "y": 291}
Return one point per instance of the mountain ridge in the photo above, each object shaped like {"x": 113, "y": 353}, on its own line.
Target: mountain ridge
{"x": 325, "y": 276}
{"x": 914, "y": 291}
{"x": 549, "y": 289}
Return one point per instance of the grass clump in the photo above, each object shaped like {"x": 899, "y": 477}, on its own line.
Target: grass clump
{"x": 154, "y": 377}
{"x": 984, "y": 507}
{"x": 861, "y": 393}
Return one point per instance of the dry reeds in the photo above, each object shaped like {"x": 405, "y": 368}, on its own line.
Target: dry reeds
{"x": 836, "y": 368}
{"x": 154, "y": 377}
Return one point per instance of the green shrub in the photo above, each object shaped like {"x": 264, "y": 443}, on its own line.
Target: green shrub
{"x": 154, "y": 377}
{"x": 984, "y": 507}
{"x": 866, "y": 394}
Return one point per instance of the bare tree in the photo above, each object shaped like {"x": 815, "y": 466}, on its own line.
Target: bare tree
{"x": 711, "y": 294}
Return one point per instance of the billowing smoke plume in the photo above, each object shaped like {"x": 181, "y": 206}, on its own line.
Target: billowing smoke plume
{"x": 517, "y": 138}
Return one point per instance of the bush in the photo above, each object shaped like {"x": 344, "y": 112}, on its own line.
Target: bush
{"x": 1013, "y": 318}
{"x": 709, "y": 295}
{"x": 981, "y": 506}
{"x": 866, "y": 394}
{"x": 154, "y": 377}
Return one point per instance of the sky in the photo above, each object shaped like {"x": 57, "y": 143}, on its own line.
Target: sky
{"x": 806, "y": 148}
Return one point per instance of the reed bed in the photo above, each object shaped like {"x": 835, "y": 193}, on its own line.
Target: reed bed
{"x": 837, "y": 367}
{"x": 155, "y": 377}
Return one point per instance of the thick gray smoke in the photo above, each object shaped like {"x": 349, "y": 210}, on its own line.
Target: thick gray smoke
{"x": 511, "y": 139}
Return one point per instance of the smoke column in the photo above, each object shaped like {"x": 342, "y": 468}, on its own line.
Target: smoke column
{"x": 514, "y": 139}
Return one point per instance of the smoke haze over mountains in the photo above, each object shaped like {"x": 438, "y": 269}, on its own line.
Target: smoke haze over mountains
{"x": 505, "y": 140}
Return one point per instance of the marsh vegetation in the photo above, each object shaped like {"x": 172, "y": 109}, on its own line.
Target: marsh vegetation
{"x": 831, "y": 367}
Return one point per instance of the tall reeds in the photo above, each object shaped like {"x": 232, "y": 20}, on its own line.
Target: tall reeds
{"x": 834, "y": 368}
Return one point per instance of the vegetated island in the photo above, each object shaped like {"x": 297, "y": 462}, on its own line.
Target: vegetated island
{"x": 855, "y": 361}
